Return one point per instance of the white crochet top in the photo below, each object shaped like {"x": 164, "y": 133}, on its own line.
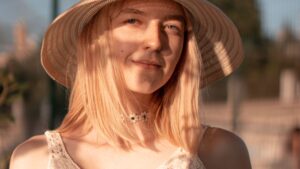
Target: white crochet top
{"x": 60, "y": 159}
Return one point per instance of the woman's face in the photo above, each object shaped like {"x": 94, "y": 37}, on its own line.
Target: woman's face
{"x": 147, "y": 39}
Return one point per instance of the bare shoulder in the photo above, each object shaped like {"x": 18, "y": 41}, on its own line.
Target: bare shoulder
{"x": 223, "y": 149}
{"x": 33, "y": 153}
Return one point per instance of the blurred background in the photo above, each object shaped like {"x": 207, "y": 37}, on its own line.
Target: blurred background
{"x": 260, "y": 102}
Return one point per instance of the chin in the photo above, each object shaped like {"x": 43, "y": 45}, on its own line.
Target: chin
{"x": 143, "y": 86}
{"x": 143, "y": 89}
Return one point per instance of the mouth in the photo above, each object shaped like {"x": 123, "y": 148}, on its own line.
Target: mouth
{"x": 147, "y": 64}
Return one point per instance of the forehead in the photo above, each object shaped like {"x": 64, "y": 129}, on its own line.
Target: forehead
{"x": 162, "y": 5}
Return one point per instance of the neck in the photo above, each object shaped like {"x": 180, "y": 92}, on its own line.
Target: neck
{"x": 138, "y": 104}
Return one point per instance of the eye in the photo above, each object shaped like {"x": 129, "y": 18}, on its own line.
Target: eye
{"x": 131, "y": 21}
{"x": 172, "y": 28}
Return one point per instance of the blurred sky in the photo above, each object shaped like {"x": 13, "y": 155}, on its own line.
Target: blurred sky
{"x": 37, "y": 14}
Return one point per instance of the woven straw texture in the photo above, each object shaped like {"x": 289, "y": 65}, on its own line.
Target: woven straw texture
{"x": 218, "y": 40}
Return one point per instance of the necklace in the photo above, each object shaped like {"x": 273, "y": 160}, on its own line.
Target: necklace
{"x": 134, "y": 118}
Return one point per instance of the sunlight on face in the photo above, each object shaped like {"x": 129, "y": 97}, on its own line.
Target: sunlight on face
{"x": 147, "y": 41}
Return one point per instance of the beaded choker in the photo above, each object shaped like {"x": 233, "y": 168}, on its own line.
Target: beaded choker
{"x": 134, "y": 118}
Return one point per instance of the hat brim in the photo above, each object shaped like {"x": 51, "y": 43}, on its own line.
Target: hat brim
{"x": 218, "y": 39}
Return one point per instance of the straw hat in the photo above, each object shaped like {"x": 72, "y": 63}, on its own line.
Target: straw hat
{"x": 218, "y": 39}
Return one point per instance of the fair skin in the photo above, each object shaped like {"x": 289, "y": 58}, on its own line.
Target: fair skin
{"x": 147, "y": 41}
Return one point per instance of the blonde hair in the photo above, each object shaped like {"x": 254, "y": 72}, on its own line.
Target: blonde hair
{"x": 97, "y": 101}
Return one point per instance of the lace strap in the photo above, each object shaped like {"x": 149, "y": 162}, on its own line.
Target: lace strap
{"x": 59, "y": 157}
{"x": 181, "y": 159}
{"x": 55, "y": 145}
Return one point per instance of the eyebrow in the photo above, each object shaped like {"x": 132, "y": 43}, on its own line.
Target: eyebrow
{"x": 178, "y": 17}
{"x": 131, "y": 10}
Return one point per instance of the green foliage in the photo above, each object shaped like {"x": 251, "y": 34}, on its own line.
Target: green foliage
{"x": 10, "y": 90}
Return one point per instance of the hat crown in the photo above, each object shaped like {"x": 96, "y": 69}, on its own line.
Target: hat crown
{"x": 216, "y": 36}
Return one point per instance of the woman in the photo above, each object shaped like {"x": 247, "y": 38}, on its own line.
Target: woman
{"x": 135, "y": 69}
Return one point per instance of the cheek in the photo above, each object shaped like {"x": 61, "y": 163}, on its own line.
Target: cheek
{"x": 120, "y": 51}
{"x": 171, "y": 67}
{"x": 122, "y": 42}
{"x": 177, "y": 50}
{"x": 176, "y": 45}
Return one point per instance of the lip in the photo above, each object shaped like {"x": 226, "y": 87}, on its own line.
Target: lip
{"x": 146, "y": 63}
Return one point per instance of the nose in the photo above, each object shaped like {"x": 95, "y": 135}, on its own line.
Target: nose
{"x": 153, "y": 37}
